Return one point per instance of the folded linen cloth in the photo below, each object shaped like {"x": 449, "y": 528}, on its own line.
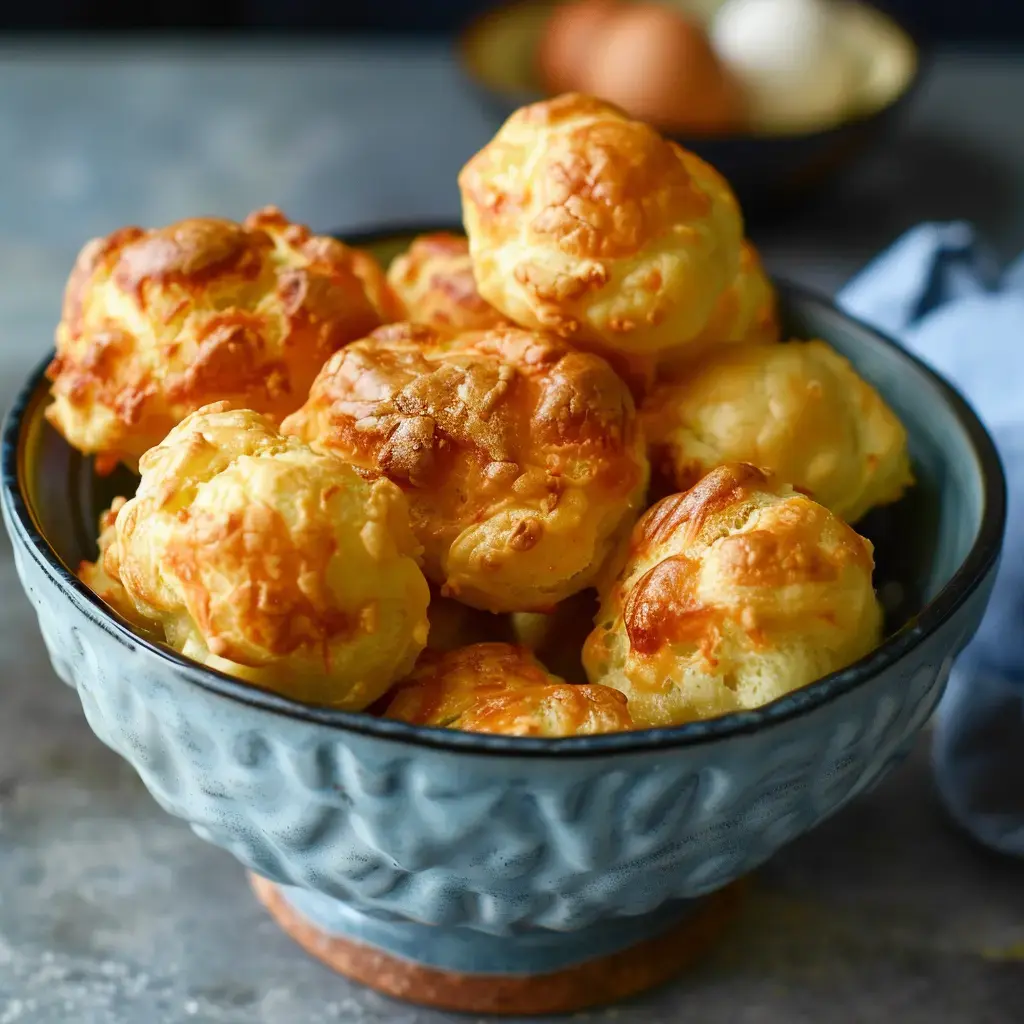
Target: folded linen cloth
{"x": 943, "y": 295}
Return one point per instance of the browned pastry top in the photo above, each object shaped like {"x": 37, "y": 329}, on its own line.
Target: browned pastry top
{"x": 157, "y": 323}
{"x": 520, "y": 455}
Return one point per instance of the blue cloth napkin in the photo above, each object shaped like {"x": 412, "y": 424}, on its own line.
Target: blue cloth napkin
{"x": 941, "y": 293}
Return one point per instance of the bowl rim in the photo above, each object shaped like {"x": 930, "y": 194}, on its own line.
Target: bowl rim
{"x": 921, "y": 54}
{"x": 970, "y": 574}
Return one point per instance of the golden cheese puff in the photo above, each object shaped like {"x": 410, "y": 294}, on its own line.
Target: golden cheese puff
{"x": 434, "y": 281}
{"x": 732, "y": 595}
{"x": 157, "y": 323}
{"x": 745, "y": 313}
{"x": 272, "y": 562}
{"x": 798, "y": 409}
{"x": 586, "y": 223}
{"x": 520, "y": 456}
{"x": 499, "y": 688}
{"x": 454, "y": 624}
{"x": 327, "y": 255}
{"x": 556, "y": 637}
{"x": 104, "y": 582}
{"x": 382, "y": 297}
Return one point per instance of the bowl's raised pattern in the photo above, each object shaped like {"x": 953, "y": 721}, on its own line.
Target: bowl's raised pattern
{"x": 491, "y": 842}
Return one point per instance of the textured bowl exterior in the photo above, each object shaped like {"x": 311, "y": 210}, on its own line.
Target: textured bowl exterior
{"x": 489, "y": 842}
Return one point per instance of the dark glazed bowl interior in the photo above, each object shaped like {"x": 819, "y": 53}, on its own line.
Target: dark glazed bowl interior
{"x": 767, "y": 171}
{"x": 933, "y": 548}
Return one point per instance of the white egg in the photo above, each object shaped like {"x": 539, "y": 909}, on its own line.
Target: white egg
{"x": 790, "y": 57}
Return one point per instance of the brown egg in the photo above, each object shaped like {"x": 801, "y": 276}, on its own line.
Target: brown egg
{"x": 568, "y": 40}
{"x": 659, "y": 66}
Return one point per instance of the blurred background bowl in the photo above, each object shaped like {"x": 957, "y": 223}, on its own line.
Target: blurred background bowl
{"x": 770, "y": 168}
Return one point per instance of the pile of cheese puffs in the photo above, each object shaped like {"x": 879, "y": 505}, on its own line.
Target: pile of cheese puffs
{"x": 560, "y": 475}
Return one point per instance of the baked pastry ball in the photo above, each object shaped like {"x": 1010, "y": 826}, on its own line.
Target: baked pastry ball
{"x": 106, "y": 585}
{"x": 272, "y": 562}
{"x": 433, "y": 279}
{"x": 591, "y": 225}
{"x": 157, "y": 323}
{"x": 327, "y": 254}
{"x": 746, "y": 313}
{"x": 798, "y": 409}
{"x": 500, "y": 688}
{"x": 521, "y": 457}
{"x": 732, "y": 594}
{"x": 556, "y": 637}
{"x": 387, "y": 305}
{"x": 454, "y": 624}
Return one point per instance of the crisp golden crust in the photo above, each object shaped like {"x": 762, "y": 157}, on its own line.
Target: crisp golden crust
{"x": 102, "y": 577}
{"x": 798, "y": 409}
{"x": 731, "y": 595}
{"x": 434, "y": 281}
{"x": 499, "y": 688}
{"x": 520, "y": 456}
{"x": 593, "y": 226}
{"x": 269, "y": 561}
{"x": 158, "y": 323}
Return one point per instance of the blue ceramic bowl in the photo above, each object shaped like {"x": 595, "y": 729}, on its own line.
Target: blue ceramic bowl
{"x": 768, "y": 171}
{"x": 491, "y": 854}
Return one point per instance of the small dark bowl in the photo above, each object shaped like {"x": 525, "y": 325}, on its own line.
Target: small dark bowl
{"x": 767, "y": 170}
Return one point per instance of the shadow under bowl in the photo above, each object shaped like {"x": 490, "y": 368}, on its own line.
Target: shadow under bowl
{"x": 769, "y": 170}
{"x": 500, "y": 857}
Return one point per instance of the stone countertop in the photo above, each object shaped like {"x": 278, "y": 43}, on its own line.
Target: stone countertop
{"x": 113, "y": 913}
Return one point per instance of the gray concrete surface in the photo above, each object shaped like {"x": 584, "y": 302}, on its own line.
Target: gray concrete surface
{"x": 111, "y": 912}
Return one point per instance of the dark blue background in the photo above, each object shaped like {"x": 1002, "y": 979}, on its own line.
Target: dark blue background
{"x": 949, "y": 21}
